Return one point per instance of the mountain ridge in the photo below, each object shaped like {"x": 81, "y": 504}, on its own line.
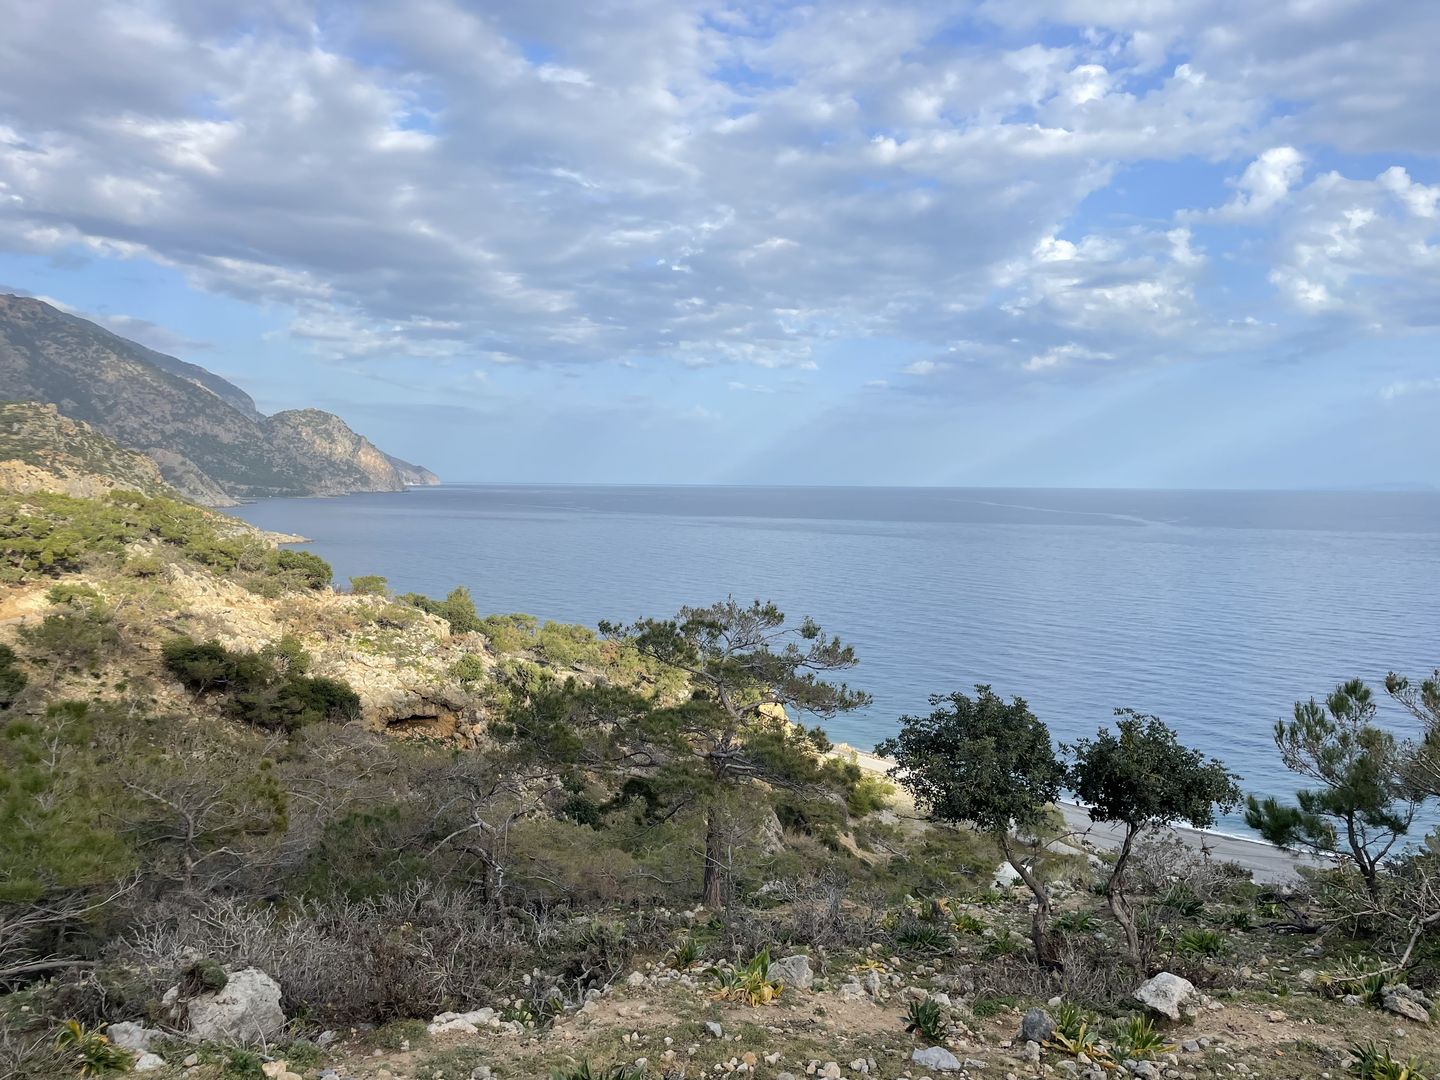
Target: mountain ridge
{"x": 205, "y": 434}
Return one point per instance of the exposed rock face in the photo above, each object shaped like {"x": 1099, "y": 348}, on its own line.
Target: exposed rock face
{"x": 40, "y": 450}
{"x": 320, "y": 445}
{"x": 247, "y": 1010}
{"x": 204, "y": 433}
{"x": 414, "y": 475}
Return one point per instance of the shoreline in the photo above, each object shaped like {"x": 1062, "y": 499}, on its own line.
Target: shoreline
{"x": 1267, "y": 864}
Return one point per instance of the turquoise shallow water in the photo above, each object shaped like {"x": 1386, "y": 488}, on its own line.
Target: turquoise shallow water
{"x": 1214, "y": 610}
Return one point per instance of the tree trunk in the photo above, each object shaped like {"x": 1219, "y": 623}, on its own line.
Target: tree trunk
{"x": 1040, "y": 920}
{"x": 1120, "y": 904}
{"x": 713, "y": 890}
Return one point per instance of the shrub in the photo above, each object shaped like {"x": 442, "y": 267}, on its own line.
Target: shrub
{"x": 1202, "y": 943}
{"x": 1137, "y": 1040}
{"x": 12, "y": 679}
{"x": 457, "y": 609}
{"x": 469, "y": 669}
{"x": 74, "y": 639}
{"x": 300, "y": 569}
{"x": 269, "y": 688}
{"x": 370, "y": 585}
{"x": 584, "y": 1072}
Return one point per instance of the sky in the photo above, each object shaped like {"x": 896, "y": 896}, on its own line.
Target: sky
{"x": 1094, "y": 243}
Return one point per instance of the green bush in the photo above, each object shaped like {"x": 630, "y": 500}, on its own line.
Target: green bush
{"x": 458, "y": 609}
{"x": 370, "y": 585}
{"x": 269, "y": 688}
{"x": 12, "y": 679}
{"x": 74, "y": 638}
{"x": 468, "y": 669}
{"x": 300, "y": 569}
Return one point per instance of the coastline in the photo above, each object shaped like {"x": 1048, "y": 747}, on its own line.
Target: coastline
{"x": 1267, "y": 864}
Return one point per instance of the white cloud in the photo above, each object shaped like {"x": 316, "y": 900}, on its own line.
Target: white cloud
{"x": 924, "y": 367}
{"x": 1263, "y": 185}
{"x": 1405, "y": 387}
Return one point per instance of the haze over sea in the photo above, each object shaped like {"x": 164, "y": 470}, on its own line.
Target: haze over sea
{"x": 1214, "y": 610}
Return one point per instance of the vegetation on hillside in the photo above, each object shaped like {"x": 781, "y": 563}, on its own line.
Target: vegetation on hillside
{"x": 640, "y": 795}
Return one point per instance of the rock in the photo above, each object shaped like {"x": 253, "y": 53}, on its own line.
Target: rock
{"x": 326, "y": 1038}
{"x": 941, "y": 998}
{"x": 1144, "y": 1070}
{"x": 1167, "y": 994}
{"x": 191, "y": 1060}
{"x": 1005, "y": 876}
{"x": 467, "y": 1023}
{"x": 131, "y": 1035}
{"x": 1036, "y": 1026}
{"x": 714, "y": 1029}
{"x": 637, "y": 978}
{"x": 1402, "y": 1001}
{"x": 872, "y": 983}
{"x": 149, "y": 1063}
{"x": 851, "y": 991}
{"x": 937, "y": 1058}
{"x": 1030, "y": 1051}
{"x": 792, "y": 971}
{"x": 1275, "y": 1016}
{"x": 247, "y": 1010}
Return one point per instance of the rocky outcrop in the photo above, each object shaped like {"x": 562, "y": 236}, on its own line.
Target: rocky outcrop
{"x": 413, "y": 475}
{"x": 42, "y": 451}
{"x": 204, "y": 434}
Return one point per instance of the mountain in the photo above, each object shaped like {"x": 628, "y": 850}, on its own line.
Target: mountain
{"x": 40, "y": 450}
{"x": 205, "y": 434}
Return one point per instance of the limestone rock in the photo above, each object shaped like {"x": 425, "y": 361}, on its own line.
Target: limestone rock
{"x": 132, "y": 1035}
{"x": 1402, "y": 1001}
{"x": 937, "y": 1058}
{"x": 793, "y": 971}
{"x": 1168, "y": 994}
{"x": 247, "y": 1010}
{"x": 149, "y": 1063}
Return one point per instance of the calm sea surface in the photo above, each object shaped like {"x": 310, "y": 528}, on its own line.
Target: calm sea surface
{"x": 1214, "y": 610}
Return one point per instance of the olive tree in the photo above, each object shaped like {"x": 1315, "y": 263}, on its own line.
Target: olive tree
{"x": 744, "y": 667}
{"x": 986, "y": 763}
{"x": 1140, "y": 776}
{"x": 1366, "y": 793}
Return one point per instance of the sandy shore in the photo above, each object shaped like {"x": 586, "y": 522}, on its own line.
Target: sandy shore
{"x": 1266, "y": 863}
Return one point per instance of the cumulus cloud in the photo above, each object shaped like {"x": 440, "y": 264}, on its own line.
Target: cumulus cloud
{"x": 685, "y": 183}
{"x": 1263, "y": 185}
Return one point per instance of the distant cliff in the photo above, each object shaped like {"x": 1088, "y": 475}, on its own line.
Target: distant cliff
{"x": 204, "y": 434}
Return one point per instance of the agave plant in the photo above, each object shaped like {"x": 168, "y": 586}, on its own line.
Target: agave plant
{"x": 584, "y": 1072}
{"x": 750, "y": 984}
{"x": 1074, "y": 1035}
{"x": 93, "y": 1052}
{"x": 1137, "y": 1040}
{"x": 1369, "y": 1062}
{"x": 686, "y": 954}
{"x": 1202, "y": 943}
{"x": 924, "y": 1019}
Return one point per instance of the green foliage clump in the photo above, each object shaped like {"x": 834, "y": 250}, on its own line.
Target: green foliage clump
{"x": 268, "y": 688}
{"x": 457, "y": 609}
{"x": 55, "y": 833}
{"x": 1137, "y": 1040}
{"x": 50, "y": 535}
{"x": 300, "y": 569}
{"x": 469, "y": 669}
{"x": 584, "y": 1072}
{"x": 513, "y": 633}
{"x": 370, "y": 585}
{"x": 12, "y": 679}
{"x": 79, "y": 635}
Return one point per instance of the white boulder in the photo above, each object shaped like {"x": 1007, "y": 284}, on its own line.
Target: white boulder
{"x": 1169, "y": 995}
{"x": 246, "y": 1010}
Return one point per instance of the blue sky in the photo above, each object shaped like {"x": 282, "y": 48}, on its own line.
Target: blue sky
{"x": 1180, "y": 243}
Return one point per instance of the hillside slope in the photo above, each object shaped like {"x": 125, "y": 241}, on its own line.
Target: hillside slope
{"x": 40, "y": 450}
{"x": 204, "y": 434}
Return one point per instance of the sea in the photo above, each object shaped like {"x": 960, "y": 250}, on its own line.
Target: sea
{"x": 1215, "y": 610}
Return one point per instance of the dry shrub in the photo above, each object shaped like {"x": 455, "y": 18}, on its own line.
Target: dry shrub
{"x": 403, "y": 955}
{"x": 826, "y": 913}
{"x": 1162, "y": 861}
